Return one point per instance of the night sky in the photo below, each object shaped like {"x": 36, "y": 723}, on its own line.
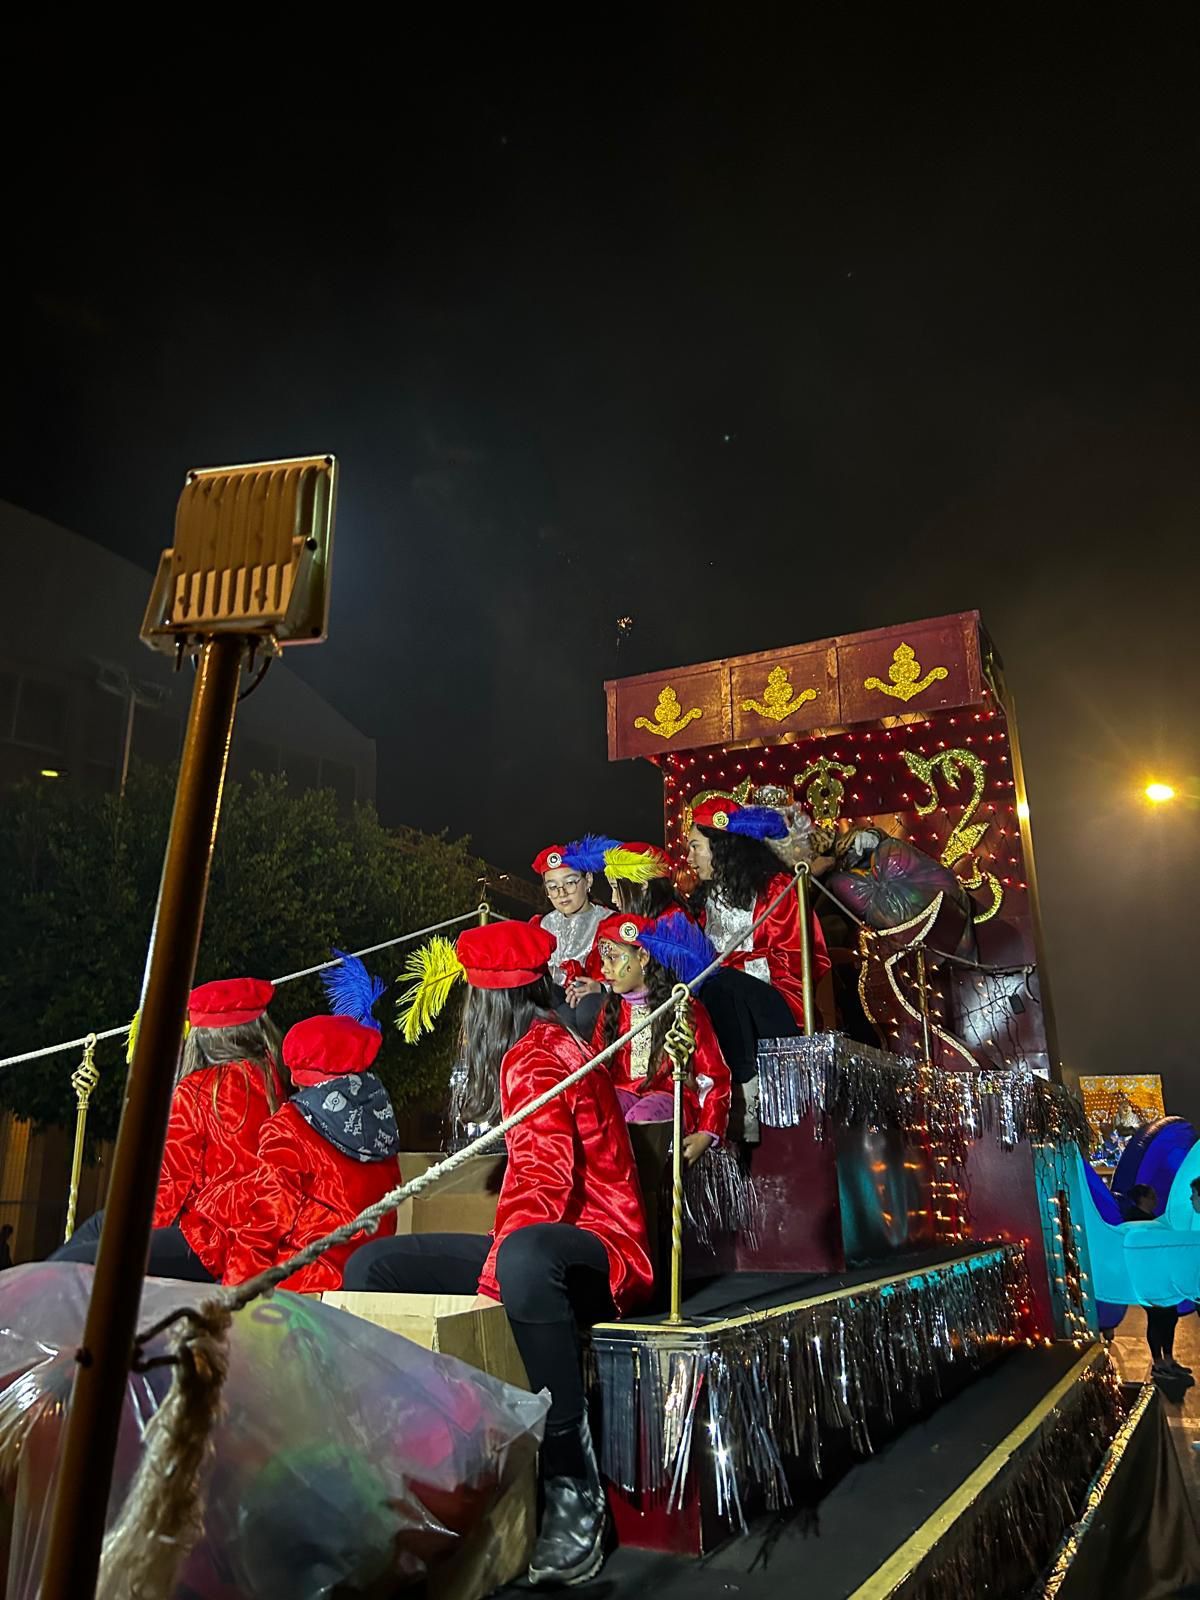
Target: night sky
{"x": 751, "y": 333}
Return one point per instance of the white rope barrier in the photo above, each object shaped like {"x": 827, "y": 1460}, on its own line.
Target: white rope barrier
{"x": 288, "y": 977}
{"x": 236, "y": 1298}
{"x": 162, "y": 1514}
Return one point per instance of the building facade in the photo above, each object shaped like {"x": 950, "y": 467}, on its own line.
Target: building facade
{"x": 80, "y": 695}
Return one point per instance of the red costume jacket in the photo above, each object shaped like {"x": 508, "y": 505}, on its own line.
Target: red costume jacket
{"x": 705, "y": 1104}
{"x": 212, "y": 1137}
{"x": 572, "y": 1162}
{"x": 778, "y": 940}
{"x": 302, "y": 1188}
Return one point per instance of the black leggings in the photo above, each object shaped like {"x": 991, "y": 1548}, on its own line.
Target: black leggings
{"x": 170, "y": 1254}
{"x": 553, "y": 1278}
{"x": 743, "y": 1011}
{"x": 1160, "y": 1331}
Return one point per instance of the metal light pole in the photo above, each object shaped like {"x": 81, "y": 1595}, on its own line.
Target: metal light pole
{"x": 249, "y": 568}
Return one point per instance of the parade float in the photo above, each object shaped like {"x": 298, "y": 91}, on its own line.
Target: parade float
{"x": 887, "y": 1379}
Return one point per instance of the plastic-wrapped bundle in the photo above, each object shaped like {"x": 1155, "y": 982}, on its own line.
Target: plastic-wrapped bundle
{"x": 346, "y": 1460}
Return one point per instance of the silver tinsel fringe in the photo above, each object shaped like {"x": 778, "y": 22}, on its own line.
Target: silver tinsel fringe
{"x": 1003, "y": 1547}
{"x": 762, "y": 1395}
{"x": 829, "y": 1076}
{"x": 718, "y": 1197}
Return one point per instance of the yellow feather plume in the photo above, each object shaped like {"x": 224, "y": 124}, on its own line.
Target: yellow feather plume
{"x": 131, "y": 1036}
{"x": 628, "y": 866}
{"x": 433, "y": 971}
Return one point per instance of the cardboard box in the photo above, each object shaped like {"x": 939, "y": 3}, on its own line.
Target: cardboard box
{"x": 464, "y": 1202}
{"x": 468, "y": 1326}
{"x": 475, "y": 1330}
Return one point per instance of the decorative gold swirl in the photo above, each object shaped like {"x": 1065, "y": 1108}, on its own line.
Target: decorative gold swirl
{"x": 86, "y": 1075}
{"x": 669, "y": 716}
{"x": 680, "y": 1042}
{"x": 871, "y": 943}
{"x": 905, "y": 673}
{"x": 779, "y": 699}
{"x": 965, "y": 835}
{"x": 825, "y": 791}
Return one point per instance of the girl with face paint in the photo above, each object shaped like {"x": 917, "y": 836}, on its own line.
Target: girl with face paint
{"x": 641, "y": 1070}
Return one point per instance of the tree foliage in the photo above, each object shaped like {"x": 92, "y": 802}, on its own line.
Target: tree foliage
{"x": 291, "y": 878}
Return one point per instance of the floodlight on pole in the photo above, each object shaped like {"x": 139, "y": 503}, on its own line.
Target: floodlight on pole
{"x": 248, "y": 572}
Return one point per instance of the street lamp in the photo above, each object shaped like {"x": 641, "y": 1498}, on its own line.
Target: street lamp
{"x": 1159, "y": 793}
{"x": 114, "y": 679}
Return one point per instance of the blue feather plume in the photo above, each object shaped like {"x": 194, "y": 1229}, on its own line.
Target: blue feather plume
{"x": 679, "y": 944}
{"x": 351, "y": 990}
{"x": 587, "y": 854}
{"x": 758, "y": 822}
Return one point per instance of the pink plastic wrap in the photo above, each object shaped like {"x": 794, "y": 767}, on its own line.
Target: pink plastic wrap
{"x": 346, "y": 1459}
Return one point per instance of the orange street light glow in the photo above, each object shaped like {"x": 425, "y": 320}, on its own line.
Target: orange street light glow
{"x": 1158, "y": 792}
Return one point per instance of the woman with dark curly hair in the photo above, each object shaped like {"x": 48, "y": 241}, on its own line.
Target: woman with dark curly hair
{"x": 740, "y": 875}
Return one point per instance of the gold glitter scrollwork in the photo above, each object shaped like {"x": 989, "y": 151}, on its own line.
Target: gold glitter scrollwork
{"x": 669, "y": 716}
{"x": 905, "y": 673}
{"x": 741, "y": 794}
{"x": 897, "y": 942}
{"x": 965, "y": 835}
{"x": 822, "y": 788}
{"x": 779, "y": 698}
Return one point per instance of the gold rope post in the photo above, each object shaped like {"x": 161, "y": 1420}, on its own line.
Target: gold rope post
{"x": 923, "y": 999}
{"x": 83, "y": 1080}
{"x": 808, "y": 987}
{"x": 484, "y": 909}
{"x": 680, "y": 1045}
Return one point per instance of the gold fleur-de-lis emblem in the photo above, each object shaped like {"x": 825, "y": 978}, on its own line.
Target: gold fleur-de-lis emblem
{"x": 905, "y": 673}
{"x": 779, "y": 700}
{"x": 823, "y": 785}
{"x": 669, "y": 716}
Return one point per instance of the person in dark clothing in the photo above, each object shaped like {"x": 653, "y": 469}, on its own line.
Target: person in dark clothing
{"x": 1141, "y": 1205}
{"x": 6, "y": 1259}
{"x": 569, "y": 1247}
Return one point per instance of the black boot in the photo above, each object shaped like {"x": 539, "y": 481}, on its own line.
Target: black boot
{"x": 570, "y": 1544}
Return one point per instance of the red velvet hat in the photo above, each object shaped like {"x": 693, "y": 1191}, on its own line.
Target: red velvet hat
{"x": 546, "y": 860}
{"x": 748, "y": 822}
{"x": 504, "y": 955}
{"x": 229, "y": 1002}
{"x": 624, "y": 928}
{"x": 715, "y": 813}
{"x": 326, "y": 1047}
